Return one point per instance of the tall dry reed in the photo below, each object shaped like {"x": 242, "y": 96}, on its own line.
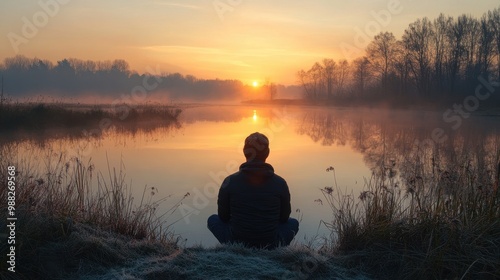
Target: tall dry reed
{"x": 426, "y": 219}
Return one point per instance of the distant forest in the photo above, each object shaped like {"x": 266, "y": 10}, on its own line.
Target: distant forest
{"x": 435, "y": 61}
{"x": 107, "y": 80}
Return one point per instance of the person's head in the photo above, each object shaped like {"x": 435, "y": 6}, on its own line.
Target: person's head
{"x": 256, "y": 147}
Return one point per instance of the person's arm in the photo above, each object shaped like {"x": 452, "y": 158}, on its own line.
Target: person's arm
{"x": 223, "y": 202}
{"x": 286, "y": 207}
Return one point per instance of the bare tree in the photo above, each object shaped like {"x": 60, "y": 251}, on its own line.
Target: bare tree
{"x": 271, "y": 89}
{"x": 494, "y": 21}
{"x": 440, "y": 48}
{"x": 457, "y": 43}
{"x": 416, "y": 40}
{"x": 329, "y": 66}
{"x": 486, "y": 47}
{"x": 381, "y": 52}
{"x": 341, "y": 75}
{"x": 434, "y": 58}
{"x": 312, "y": 81}
{"x": 471, "y": 28}
{"x": 306, "y": 84}
{"x": 402, "y": 68}
{"x": 18, "y": 62}
{"x": 361, "y": 74}
{"x": 315, "y": 74}
{"x": 120, "y": 65}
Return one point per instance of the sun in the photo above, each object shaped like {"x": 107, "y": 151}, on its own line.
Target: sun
{"x": 255, "y": 84}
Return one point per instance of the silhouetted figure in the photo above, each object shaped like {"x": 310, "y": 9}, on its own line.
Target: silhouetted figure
{"x": 254, "y": 203}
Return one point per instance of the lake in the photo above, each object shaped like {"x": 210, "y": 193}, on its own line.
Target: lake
{"x": 206, "y": 146}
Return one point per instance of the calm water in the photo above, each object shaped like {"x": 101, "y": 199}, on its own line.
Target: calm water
{"x": 207, "y": 146}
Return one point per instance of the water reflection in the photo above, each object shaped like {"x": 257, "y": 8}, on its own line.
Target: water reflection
{"x": 194, "y": 152}
{"x": 400, "y": 142}
{"x": 94, "y": 133}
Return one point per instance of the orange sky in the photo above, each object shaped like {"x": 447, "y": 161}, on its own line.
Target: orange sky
{"x": 228, "y": 39}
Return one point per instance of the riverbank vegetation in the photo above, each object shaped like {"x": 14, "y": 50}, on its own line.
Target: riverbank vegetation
{"x": 43, "y": 115}
{"x": 438, "y": 220}
{"x": 66, "y": 194}
{"x": 39, "y": 121}
{"x": 423, "y": 218}
{"x": 74, "y": 222}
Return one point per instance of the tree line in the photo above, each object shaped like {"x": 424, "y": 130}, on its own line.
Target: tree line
{"x": 24, "y": 77}
{"x": 435, "y": 60}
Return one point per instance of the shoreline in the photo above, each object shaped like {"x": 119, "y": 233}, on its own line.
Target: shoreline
{"x": 494, "y": 111}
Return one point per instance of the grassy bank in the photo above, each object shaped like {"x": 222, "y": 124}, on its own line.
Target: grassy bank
{"x": 66, "y": 195}
{"x": 74, "y": 222}
{"x": 436, "y": 220}
{"x": 89, "y": 253}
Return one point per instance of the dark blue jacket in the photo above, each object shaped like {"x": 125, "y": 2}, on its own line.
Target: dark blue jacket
{"x": 254, "y": 201}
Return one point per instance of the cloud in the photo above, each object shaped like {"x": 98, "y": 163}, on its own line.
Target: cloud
{"x": 184, "y": 49}
{"x": 274, "y": 18}
{"x": 248, "y": 52}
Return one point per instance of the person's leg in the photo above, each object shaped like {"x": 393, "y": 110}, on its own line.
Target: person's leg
{"x": 287, "y": 231}
{"x": 221, "y": 230}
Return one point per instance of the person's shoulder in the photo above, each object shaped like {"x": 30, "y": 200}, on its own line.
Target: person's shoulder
{"x": 280, "y": 185}
{"x": 230, "y": 178}
{"x": 279, "y": 179}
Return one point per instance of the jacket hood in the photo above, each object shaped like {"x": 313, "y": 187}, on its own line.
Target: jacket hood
{"x": 257, "y": 171}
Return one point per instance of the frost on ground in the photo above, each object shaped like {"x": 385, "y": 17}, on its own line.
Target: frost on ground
{"x": 233, "y": 262}
{"x": 87, "y": 253}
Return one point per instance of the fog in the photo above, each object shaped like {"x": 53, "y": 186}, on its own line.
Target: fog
{"x": 74, "y": 80}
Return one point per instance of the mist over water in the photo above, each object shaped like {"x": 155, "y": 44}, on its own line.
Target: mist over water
{"x": 195, "y": 156}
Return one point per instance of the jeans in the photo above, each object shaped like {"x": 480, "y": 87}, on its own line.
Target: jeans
{"x": 222, "y": 231}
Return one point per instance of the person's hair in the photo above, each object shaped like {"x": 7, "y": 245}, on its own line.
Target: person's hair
{"x": 256, "y": 147}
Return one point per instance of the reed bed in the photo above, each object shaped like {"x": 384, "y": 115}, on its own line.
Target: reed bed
{"x": 68, "y": 194}
{"x": 427, "y": 218}
{"x": 40, "y": 115}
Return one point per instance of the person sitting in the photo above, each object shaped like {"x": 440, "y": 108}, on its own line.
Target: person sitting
{"x": 254, "y": 203}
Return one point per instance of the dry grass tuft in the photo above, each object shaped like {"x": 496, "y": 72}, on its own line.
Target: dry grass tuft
{"x": 437, "y": 220}
{"x": 68, "y": 195}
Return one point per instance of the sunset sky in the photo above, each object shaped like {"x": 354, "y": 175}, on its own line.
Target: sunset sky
{"x": 227, "y": 39}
